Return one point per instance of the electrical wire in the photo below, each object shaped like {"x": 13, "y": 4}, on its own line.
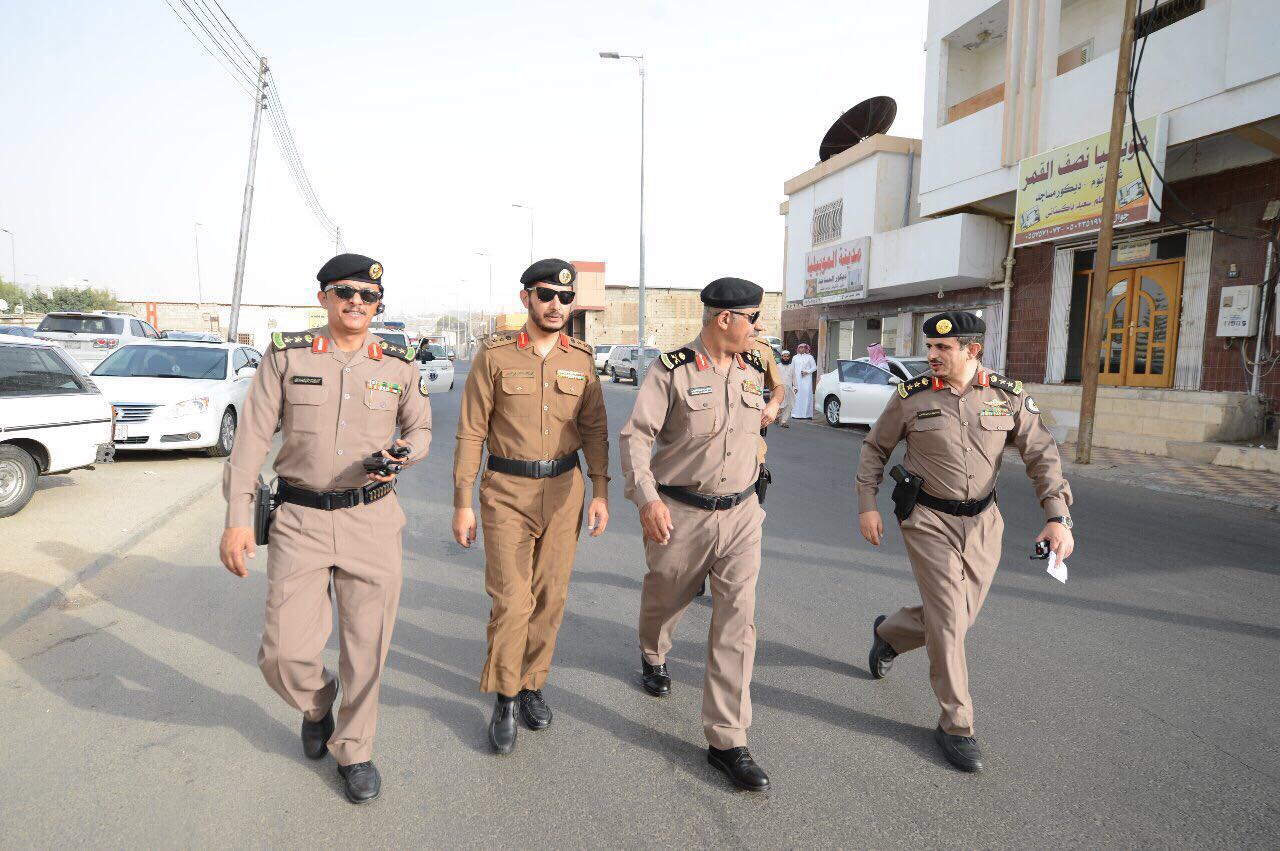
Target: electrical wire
{"x": 246, "y": 89}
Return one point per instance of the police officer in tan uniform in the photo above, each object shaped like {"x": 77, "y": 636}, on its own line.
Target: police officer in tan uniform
{"x": 689, "y": 453}
{"x": 535, "y": 399}
{"x": 340, "y": 393}
{"x": 956, "y": 423}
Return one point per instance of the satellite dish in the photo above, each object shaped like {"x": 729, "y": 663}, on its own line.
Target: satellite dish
{"x": 872, "y": 116}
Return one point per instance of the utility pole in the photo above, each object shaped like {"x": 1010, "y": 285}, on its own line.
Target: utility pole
{"x": 337, "y": 240}
{"x": 1102, "y": 260}
{"x": 199, "y": 282}
{"x": 237, "y": 287}
{"x": 530, "y": 209}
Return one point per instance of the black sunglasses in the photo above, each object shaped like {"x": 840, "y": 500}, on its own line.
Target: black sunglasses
{"x": 345, "y": 293}
{"x": 545, "y": 294}
{"x": 750, "y": 317}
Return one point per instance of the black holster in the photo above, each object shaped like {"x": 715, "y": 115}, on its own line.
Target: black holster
{"x": 264, "y": 508}
{"x": 762, "y": 483}
{"x": 905, "y": 491}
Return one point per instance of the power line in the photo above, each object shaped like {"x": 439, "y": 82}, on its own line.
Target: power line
{"x": 250, "y": 78}
{"x": 248, "y": 91}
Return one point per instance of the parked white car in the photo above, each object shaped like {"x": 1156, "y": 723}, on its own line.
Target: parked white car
{"x": 52, "y": 418}
{"x": 90, "y": 336}
{"x": 177, "y": 395}
{"x": 857, "y": 390}
{"x": 602, "y": 356}
{"x": 434, "y": 365}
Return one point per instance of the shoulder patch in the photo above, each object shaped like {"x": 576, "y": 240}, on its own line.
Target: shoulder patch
{"x": 499, "y": 340}
{"x": 291, "y": 340}
{"x": 404, "y": 353}
{"x": 679, "y": 357}
{"x": 915, "y": 385}
{"x": 753, "y": 359}
{"x": 996, "y": 380}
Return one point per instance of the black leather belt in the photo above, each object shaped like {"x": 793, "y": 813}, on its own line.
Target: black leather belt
{"x": 956, "y": 507}
{"x": 706, "y": 501}
{"x": 333, "y": 500}
{"x": 534, "y": 469}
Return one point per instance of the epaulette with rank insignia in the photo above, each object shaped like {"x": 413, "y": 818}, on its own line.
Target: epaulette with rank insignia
{"x": 498, "y": 340}
{"x": 754, "y": 360}
{"x": 915, "y": 385}
{"x": 583, "y": 346}
{"x": 281, "y": 340}
{"x": 679, "y": 357}
{"x": 405, "y": 354}
{"x": 997, "y": 380}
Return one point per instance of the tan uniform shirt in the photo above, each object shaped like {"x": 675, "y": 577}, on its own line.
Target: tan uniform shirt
{"x": 337, "y": 409}
{"x": 704, "y": 423}
{"x": 772, "y": 375}
{"x": 955, "y": 441}
{"x": 531, "y": 408}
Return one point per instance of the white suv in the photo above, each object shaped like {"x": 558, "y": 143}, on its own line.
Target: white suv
{"x": 90, "y": 336}
{"x": 52, "y": 418}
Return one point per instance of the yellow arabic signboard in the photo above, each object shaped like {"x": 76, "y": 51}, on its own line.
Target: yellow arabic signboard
{"x": 1060, "y": 191}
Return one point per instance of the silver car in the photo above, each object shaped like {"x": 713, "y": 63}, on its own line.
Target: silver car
{"x": 89, "y": 336}
{"x": 624, "y": 362}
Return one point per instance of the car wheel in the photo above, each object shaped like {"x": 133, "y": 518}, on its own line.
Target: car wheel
{"x": 633, "y": 377}
{"x": 450, "y": 383}
{"x": 18, "y": 473}
{"x": 613, "y": 373}
{"x": 831, "y": 409}
{"x": 226, "y": 436}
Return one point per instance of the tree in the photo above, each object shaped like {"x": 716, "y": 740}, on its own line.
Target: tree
{"x": 71, "y": 298}
{"x": 448, "y": 323}
{"x": 13, "y": 294}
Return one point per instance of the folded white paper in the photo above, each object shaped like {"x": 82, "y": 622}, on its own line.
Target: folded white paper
{"x": 1056, "y": 569}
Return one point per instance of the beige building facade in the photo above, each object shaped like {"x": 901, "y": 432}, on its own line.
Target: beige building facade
{"x": 672, "y": 316}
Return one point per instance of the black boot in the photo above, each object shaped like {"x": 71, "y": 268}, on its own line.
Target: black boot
{"x": 363, "y": 782}
{"x": 880, "y": 660}
{"x": 502, "y": 727}
{"x": 315, "y": 735}
{"x": 534, "y": 711}
{"x": 961, "y": 751}
{"x": 654, "y": 678}
{"x": 739, "y": 767}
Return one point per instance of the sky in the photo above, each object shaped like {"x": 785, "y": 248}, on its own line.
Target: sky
{"x": 420, "y": 125}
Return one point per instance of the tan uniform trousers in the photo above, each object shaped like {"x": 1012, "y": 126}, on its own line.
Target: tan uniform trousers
{"x": 360, "y": 550}
{"x": 954, "y": 560}
{"x": 530, "y": 538}
{"x": 726, "y": 546}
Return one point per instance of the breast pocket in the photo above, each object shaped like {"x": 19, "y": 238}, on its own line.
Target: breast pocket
{"x": 752, "y": 408}
{"x": 700, "y": 413}
{"x": 996, "y": 429}
{"x": 515, "y": 393}
{"x": 381, "y": 401}
{"x": 928, "y": 432}
{"x": 568, "y": 396}
{"x": 303, "y": 403}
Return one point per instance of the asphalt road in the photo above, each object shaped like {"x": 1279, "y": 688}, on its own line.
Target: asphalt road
{"x": 1135, "y": 706}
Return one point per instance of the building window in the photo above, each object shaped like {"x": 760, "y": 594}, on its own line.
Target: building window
{"x": 1164, "y": 14}
{"x": 244, "y": 339}
{"x": 828, "y": 222}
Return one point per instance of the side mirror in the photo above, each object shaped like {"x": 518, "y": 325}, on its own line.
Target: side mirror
{"x": 893, "y": 379}
{"x": 246, "y": 371}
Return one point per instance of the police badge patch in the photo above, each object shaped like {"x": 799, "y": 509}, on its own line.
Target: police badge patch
{"x": 422, "y": 387}
{"x": 1032, "y": 406}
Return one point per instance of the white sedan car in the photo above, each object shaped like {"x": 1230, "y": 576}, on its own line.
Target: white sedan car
{"x": 857, "y": 390}
{"x": 52, "y": 418}
{"x": 434, "y": 366}
{"x": 178, "y": 395}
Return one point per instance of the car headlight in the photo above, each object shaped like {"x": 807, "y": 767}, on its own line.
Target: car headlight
{"x": 188, "y": 408}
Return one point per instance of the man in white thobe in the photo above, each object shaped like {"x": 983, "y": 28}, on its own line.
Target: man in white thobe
{"x": 787, "y": 370}
{"x": 805, "y": 368}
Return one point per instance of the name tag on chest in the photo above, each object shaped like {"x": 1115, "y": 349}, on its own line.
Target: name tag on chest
{"x": 306, "y": 379}
{"x": 699, "y": 391}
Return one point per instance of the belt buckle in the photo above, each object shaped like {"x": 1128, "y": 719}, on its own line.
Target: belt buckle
{"x": 723, "y": 503}
{"x": 326, "y": 501}
{"x": 545, "y": 468}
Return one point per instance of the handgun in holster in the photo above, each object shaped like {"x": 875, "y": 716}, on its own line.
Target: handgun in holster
{"x": 762, "y": 483}
{"x": 905, "y": 491}
{"x": 264, "y": 508}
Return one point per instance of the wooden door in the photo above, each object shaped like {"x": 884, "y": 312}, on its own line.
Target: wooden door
{"x": 1140, "y": 335}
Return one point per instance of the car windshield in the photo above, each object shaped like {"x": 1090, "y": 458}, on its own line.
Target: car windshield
{"x": 165, "y": 362}
{"x": 394, "y": 337}
{"x": 915, "y": 366}
{"x": 437, "y": 351}
{"x": 600, "y": 350}
{"x": 35, "y": 371}
{"x": 82, "y": 324}
{"x": 189, "y": 335}
{"x": 18, "y": 331}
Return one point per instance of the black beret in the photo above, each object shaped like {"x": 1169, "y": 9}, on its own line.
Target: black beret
{"x": 351, "y": 267}
{"x": 550, "y": 271}
{"x": 954, "y": 323}
{"x": 732, "y": 292}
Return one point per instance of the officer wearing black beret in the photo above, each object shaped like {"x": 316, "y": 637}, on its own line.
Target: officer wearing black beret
{"x": 956, "y": 423}
{"x": 351, "y": 267}
{"x": 550, "y": 271}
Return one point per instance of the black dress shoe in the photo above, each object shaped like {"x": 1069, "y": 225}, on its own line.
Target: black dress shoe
{"x": 363, "y": 781}
{"x": 502, "y": 727}
{"x": 880, "y": 660}
{"x": 961, "y": 751}
{"x": 739, "y": 767}
{"x": 534, "y": 711}
{"x": 315, "y": 735}
{"x": 654, "y": 679}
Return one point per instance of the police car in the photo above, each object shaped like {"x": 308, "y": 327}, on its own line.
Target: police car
{"x": 435, "y": 368}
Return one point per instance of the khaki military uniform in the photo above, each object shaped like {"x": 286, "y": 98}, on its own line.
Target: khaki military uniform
{"x": 955, "y": 443}
{"x": 336, "y": 409}
{"x": 772, "y": 381}
{"x": 697, "y": 427}
{"x": 529, "y": 408}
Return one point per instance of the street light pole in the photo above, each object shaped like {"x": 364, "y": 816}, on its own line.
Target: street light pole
{"x": 530, "y": 209}
{"x": 13, "y": 257}
{"x": 640, "y": 294}
{"x": 199, "y": 282}
{"x": 488, "y": 306}
{"x": 237, "y": 287}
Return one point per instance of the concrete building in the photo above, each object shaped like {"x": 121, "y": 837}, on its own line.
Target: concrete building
{"x": 257, "y": 321}
{"x": 672, "y": 316}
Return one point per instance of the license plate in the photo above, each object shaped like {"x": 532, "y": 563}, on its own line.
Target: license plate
{"x": 122, "y": 432}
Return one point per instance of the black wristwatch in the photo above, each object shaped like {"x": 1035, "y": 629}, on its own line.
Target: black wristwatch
{"x": 1064, "y": 520}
